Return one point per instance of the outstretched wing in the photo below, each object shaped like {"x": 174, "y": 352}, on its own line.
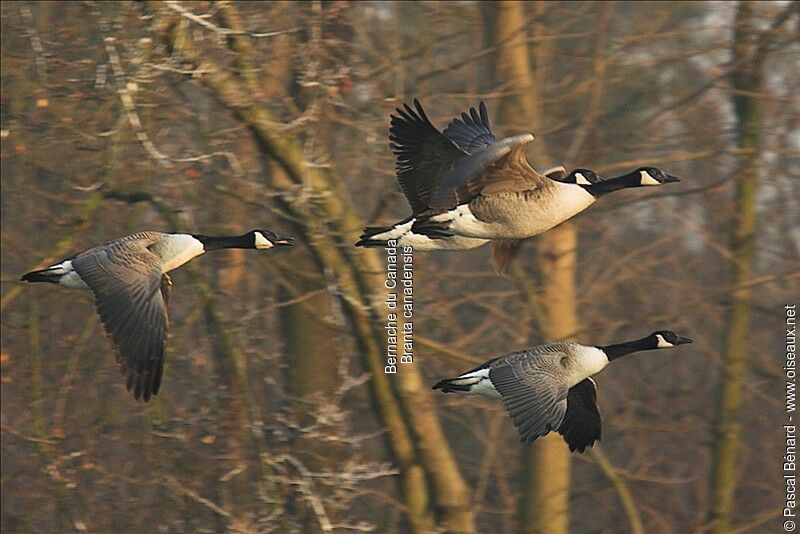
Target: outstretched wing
{"x": 423, "y": 155}
{"x": 130, "y": 294}
{"x": 532, "y": 393}
{"x": 472, "y": 131}
{"x": 581, "y": 426}
{"x": 497, "y": 168}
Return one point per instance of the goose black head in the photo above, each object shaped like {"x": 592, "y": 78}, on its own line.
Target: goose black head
{"x": 660, "y": 339}
{"x": 664, "y": 339}
{"x": 654, "y": 176}
{"x": 263, "y": 239}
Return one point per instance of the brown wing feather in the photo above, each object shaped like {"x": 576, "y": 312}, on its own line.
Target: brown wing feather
{"x": 130, "y": 294}
{"x": 531, "y": 391}
{"x": 499, "y": 168}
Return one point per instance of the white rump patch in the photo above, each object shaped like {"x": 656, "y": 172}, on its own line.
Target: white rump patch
{"x": 64, "y": 267}
{"x": 262, "y": 242}
{"x": 395, "y": 232}
{"x": 69, "y": 278}
{"x": 663, "y": 343}
{"x": 647, "y": 179}
{"x": 479, "y": 382}
{"x": 464, "y": 223}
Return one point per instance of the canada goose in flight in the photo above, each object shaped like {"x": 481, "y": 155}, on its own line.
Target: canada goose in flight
{"x": 378, "y": 236}
{"x": 547, "y": 387}
{"x": 131, "y": 287}
{"x": 466, "y": 182}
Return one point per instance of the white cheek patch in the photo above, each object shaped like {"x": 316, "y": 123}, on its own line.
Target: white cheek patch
{"x": 580, "y": 179}
{"x": 663, "y": 343}
{"x": 262, "y": 242}
{"x": 647, "y": 179}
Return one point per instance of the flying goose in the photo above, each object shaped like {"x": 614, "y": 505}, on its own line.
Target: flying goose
{"x": 402, "y": 232}
{"x": 131, "y": 287}
{"x": 466, "y": 182}
{"x": 548, "y": 387}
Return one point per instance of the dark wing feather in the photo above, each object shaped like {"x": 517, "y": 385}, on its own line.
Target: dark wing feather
{"x": 130, "y": 293}
{"x": 532, "y": 394}
{"x": 582, "y": 425}
{"x": 423, "y": 154}
{"x": 498, "y": 168}
{"x": 472, "y": 131}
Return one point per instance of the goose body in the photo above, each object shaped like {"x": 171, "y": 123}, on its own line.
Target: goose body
{"x": 549, "y": 387}
{"x": 129, "y": 280}
{"x": 507, "y": 215}
{"x": 403, "y": 231}
{"x": 465, "y": 182}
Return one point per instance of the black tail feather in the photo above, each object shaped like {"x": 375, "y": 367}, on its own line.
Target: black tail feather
{"x": 447, "y": 386}
{"x": 370, "y": 243}
{"x": 42, "y": 275}
{"x": 366, "y": 237}
{"x": 432, "y": 229}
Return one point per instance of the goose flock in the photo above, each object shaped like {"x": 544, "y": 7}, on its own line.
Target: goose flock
{"x": 465, "y": 188}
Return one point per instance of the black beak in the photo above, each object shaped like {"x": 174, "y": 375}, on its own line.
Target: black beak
{"x": 682, "y": 340}
{"x": 284, "y": 241}
{"x": 668, "y": 178}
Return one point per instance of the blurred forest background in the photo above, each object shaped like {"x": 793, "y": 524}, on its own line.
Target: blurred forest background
{"x": 275, "y": 414}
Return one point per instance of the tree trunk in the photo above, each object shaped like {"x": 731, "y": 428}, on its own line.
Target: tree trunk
{"x": 544, "y": 507}
{"x": 746, "y": 80}
{"x": 544, "y": 504}
{"x": 328, "y": 227}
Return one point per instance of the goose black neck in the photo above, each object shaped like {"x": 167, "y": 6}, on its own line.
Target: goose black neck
{"x": 216, "y": 243}
{"x": 621, "y": 349}
{"x": 613, "y": 184}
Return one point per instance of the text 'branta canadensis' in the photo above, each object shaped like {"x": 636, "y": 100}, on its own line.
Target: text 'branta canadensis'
{"x": 465, "y": 182}
{"x": 131, "y": 287}
{"x": 548, "y": 388}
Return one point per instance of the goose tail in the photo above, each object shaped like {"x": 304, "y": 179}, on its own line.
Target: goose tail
{"x": 376, "y": 236}
{"x": 379, "y": 236}
{"x": 455, "y": 385}
{"x": 50, "y": 275}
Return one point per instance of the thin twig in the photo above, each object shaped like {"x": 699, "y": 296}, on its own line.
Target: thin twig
{"x": 222, "y": 32}
{"x": 129, "y": 105}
